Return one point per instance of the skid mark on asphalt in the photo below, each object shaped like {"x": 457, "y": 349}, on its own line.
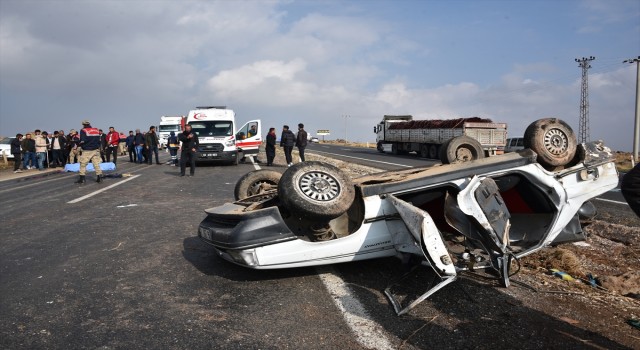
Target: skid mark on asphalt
{"x": 101, "y": 190}
{"x": 367, "y": 332}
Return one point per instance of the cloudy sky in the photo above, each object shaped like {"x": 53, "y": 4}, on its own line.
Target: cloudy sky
{"x": 125, "y": 63}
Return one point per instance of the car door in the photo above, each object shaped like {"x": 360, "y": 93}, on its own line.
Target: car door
{"x": 249, "y": 138}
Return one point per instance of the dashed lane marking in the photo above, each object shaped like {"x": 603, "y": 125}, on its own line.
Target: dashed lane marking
{"x": 101, "y": 190}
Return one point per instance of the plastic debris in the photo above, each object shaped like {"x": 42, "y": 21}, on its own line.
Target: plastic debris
{"x": 565, "y": 276}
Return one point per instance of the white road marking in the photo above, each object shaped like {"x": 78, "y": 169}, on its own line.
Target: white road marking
{"x": 368, "y": 333}
{"x": 610, "y": 201}
{"x": 368, "y": 160}
{"x": 255, "y": 165}
{"x": 101, "y": 190}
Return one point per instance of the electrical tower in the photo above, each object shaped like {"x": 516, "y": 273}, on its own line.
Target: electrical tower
{"x": 583, "y": 135}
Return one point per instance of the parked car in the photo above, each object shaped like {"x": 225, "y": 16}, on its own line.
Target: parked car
{"x": 5, "y": 147}
{"x": 314, "y": 139}
{"x": 483, "y": 214}
{"x": 514, "y": 144}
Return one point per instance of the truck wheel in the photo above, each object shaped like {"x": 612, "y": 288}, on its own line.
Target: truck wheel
{"x": 394, "y": 149}
{"x": 256, "y": 182}
{"x": 424, "y": 151}
{"x": 379, "y": 147}
{"x": 461, "y": 149}
{"x": 433, "y": 151}
{"x": 316, "y": 190}
{"x": 553, "y": 140}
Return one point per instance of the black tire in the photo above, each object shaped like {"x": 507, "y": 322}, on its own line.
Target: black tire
{"x": 553, "y": 140}
{"x": 316, "y": 190}
{"x": 461, "y": 149}
{"x": 433, "y": 151}
{"x": 394, "y": 149}
{"x": 256, "y": 182}
{"x": 424, "y": 151}
{"x": 379, "y": 147}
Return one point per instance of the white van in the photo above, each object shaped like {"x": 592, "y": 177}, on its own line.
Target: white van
{"x": 514, "y": 144}
{"x": 219, "y": 139}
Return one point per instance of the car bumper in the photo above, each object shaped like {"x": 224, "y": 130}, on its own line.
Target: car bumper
{"x": 236, "y": 233}
{"x": 212, "y": 156}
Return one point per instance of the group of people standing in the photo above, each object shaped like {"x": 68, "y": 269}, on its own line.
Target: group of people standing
{"x": 287, "y": 141}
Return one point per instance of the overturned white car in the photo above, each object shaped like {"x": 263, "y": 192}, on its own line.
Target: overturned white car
{"x": 480, "y": 214}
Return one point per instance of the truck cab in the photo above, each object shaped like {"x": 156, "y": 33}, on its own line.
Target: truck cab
{"x": 167, "y": 125}
{"x": 218, "y": 138}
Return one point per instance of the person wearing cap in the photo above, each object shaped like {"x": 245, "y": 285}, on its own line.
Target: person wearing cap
{"x": 301, "y": 141}
{"x": 73, "y": 150}
{"x": 16, "y": 150}
{"x": 173, "y": 145}
{"x": 90, "y": 144}
{"x": 287, "y": 140}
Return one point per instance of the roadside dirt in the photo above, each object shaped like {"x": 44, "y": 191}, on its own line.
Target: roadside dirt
{"x": 611, "y": 255}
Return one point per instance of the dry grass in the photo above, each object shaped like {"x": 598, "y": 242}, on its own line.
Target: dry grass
{"x": 556, "y": 258}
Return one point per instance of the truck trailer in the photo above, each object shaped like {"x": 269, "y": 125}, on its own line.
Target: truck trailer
{"x": 450, "y": 140}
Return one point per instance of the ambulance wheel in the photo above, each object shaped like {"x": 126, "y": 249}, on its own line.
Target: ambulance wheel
{"x": 553, "y": 140}
{"x": 461, "y": 149}
{"x": 316, "y": 190}
{"x": 256, "y": 182}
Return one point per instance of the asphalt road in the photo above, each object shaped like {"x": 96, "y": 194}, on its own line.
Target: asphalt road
{"x": 122, "y": 268}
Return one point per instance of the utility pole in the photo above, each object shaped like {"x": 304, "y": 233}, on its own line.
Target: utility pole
{"x": 636, "y": 129}
{"x": 583, "y": 135}
{"x": 345, "y": 127}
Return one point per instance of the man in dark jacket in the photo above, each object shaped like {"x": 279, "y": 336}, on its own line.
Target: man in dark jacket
{"x": 29, "y": 151}
{"x": 287, "y": 140}
{"x": 131, "y": 148}
{"x": 16, "y": 151}
{"x": 58, "y": 145}
{"x": 151, "y": 140}
{"x": 270, "y": 147}
{"x": 301, "y": 141}
{"x": 190, "y": 144}
{"x": 138, "y": 142}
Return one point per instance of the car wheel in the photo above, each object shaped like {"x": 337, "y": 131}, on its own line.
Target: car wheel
{"x": 256, "y": 182}
{"x": 316, "y": 190}
{"x": 553, "y": 140}
{"x": 461, "y": 149}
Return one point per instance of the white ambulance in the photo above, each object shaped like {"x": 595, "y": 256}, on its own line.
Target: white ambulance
{"x": 220, "y": 139}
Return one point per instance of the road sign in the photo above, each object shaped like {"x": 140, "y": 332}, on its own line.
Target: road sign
{"x": 323, "y": 132}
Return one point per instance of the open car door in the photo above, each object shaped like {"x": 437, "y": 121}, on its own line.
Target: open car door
{"x": 249, "y": 138}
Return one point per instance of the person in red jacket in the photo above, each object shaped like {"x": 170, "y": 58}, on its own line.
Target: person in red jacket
{"x": 113, "y": 139}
